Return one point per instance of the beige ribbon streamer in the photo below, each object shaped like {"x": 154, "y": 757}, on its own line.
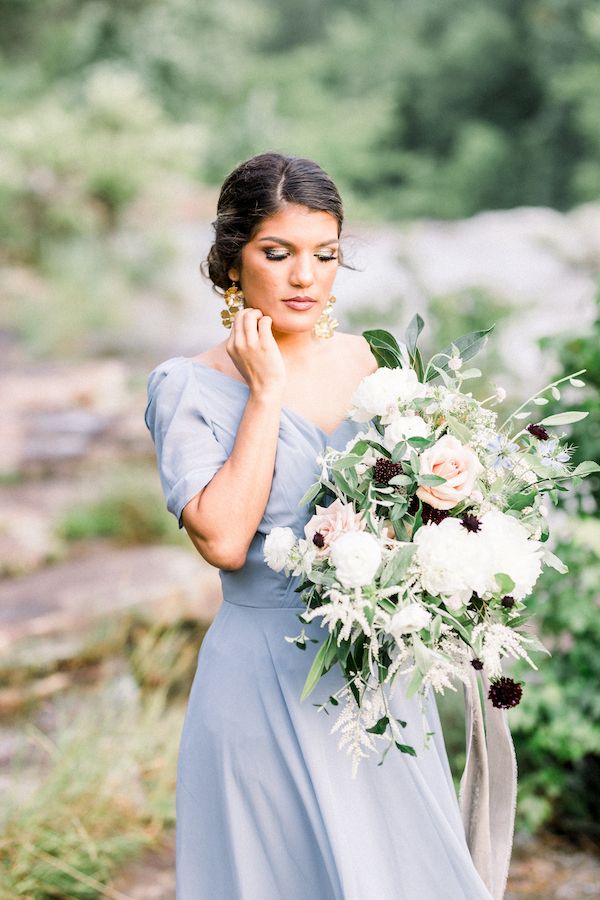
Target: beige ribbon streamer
{"x": 488, "y": 788}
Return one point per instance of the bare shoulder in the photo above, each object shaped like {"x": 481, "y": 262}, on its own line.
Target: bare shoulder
{"x": 216, "y": 357}
{"x": 356, "y": 348}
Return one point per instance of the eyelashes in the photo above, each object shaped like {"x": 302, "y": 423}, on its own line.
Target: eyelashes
{"x": 278, "y": 255}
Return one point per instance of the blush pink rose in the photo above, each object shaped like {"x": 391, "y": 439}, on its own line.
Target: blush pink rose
{"x": 456, "y": 463}
{"x": 332, "y": 521}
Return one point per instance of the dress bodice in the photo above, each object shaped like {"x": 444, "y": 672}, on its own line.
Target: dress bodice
{"x": 193, "y": 414}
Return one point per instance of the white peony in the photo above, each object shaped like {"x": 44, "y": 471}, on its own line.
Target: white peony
{"x": 408, "y": 619}
{"x": 379, "y": 394}
{"x": 512, "y": 551}
{"x": 454, "y": 562}
{"x": 277, "y": 546}
{"x": 356, "y": 556}
{"x": 403, "y": 427}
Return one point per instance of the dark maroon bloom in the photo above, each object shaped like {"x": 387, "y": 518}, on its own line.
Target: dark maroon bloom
{"x": 413, "y": 505}
{"x": 476, "y": 663}
{"x": 471, "y": 522}
{"x": 508, "y": 602}
{"x": 430, "y": 514}
{"x": 504, "y": 693}
{"x": 538, "y": 431}
{"x": 386, "y": 469}
{"x": 318, "y": 540}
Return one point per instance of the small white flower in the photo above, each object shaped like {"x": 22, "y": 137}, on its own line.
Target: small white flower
{"x": 408, "y": 619}
{"x": 277, "y": 547}
{"x": 500, "y": 394}
{"x": 403, "y": 427}
{"x": 455, "y": 363}
{"x": 356, "y": 556}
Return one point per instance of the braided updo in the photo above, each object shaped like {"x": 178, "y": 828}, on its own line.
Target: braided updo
{"x": 256, "y": 189}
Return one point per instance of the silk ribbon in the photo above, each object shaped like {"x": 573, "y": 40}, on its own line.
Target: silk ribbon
{"x": 488, "y": 787}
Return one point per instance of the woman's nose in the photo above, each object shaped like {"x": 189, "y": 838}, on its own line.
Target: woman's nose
{"x": 302, "y": 273}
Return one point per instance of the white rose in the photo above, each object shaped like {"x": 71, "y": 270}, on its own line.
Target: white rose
{"x": 403, "y": 427}
{"x": 356, "y": 556}
{"x": 408, "y": 619}
{"x": 379, "y": 394}
{"x": 277, "y": 546}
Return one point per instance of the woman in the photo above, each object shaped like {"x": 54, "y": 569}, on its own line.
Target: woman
{"x": 266, "y": 806}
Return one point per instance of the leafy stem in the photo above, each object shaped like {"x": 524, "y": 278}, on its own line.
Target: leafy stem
{"x": 537, "y": 394}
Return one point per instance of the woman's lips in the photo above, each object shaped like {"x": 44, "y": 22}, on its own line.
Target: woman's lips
{"x": 300, "y": 302}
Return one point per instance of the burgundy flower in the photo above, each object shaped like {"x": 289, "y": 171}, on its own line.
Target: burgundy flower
{"x": 476, "y": 663}
{"x": 508, "y": 602}
{"x": 538, "y": 431}
{"x": 431, "y": 514}
{"x": 504, "y": 693}
{"x": 318, "y": 540}
{"x": 385, "y": 469}
{"x": 471, "y": 522}
{"x": 413, "y": 505}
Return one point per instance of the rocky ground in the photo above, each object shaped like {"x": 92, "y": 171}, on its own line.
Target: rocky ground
{"x": 67, "y": 425}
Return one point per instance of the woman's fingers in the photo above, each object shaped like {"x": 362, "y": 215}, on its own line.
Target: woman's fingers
{"x": 265, "y": 335}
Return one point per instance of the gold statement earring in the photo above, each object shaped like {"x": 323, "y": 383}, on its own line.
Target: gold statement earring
{"x": 326, "y": 324}
{"x": 234, "y": 300}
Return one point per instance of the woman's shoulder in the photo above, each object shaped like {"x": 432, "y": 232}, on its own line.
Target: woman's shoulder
{"x": 356, "y": 348}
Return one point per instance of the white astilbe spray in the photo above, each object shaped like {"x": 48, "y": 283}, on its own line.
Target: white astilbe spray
{"x": 353, "y": 721}
{"x": 498, "y": 640}
{"x": 343, "y": 609}
{"x": 450, "y": 665}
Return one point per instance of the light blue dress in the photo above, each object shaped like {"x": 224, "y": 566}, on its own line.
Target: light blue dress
{"x": 266, "y": 805}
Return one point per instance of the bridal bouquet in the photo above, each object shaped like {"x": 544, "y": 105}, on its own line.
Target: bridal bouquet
{"x": 427, "y": 536}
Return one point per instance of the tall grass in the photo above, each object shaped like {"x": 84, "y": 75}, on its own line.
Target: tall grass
{"x": 108, "y": 791}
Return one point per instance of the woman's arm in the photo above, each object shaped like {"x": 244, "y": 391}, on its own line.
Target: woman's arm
{"x": 222, "y": 519}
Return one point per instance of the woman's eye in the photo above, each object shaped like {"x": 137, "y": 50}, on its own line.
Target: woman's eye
{"x": 276, "y": 254}
{"x": 325, "y": 257}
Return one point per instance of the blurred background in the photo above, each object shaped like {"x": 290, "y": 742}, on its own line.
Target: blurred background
{"x": 465, "y": 139}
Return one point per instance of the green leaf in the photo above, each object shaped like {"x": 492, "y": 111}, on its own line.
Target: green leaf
{"x": 311, "y": 493}
{"x": 379, "y": 727}
{"x": 468, "y": 345}
{"x": 586, "y": 468}
{"x": 431, "y": 479}
{"x": 395, "y": 568}
{"x": 384, "y": 347}
{"x": 346, "y": 487}
{"x": 520, "y": 500}
{"x": 406, "y": 748}
{"x": 554, "y": 562}
{"x": 420, "y": 442}
{"x": 346, "y": 462}
{"x": 460, "y": 431}
{"x": 411, "y": 336}
{"x": 318, "y": 668}
{"x": 401, "y": 479}
{"x": 435, "y": 628}
{"x": 505, "y": 582}
{"x": 566, "y": 418}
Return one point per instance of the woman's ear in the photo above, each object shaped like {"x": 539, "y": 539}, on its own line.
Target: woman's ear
{"x": 234, "y": 274}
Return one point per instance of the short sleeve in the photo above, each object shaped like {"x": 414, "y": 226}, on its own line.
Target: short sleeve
{"x": 187, "y": 452}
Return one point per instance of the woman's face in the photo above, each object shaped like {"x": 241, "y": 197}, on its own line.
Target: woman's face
{"x": 288, "y": 267}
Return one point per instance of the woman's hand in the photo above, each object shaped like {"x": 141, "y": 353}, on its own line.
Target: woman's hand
{"x": 255, "y": 353}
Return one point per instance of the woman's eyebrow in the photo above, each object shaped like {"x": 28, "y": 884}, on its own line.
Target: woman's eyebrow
{"x": 278, "y": 240}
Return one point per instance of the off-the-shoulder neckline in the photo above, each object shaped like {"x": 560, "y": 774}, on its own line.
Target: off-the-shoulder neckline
{"x": 291, "y": 412}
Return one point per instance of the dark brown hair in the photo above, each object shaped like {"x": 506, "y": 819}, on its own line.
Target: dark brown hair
{"x": 256, "y": 189}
